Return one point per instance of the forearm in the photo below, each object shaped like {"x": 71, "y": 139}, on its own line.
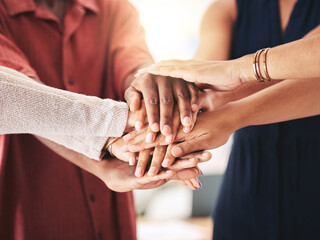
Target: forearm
{"x": 30, "y": 107}
{"x": 285, "y": 101}
{"x": 296, "y": 60}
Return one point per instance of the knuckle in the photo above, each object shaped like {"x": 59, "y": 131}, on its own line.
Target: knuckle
{"x": 166, "y": 100}
{"x": 166, "y": 119}
{"x": 152, "y": 100}
{"x": 183, "y": 95}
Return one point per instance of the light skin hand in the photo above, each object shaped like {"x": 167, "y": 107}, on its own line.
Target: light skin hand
{"x": 159, "y": 94}
{"x": 212, "y": 130}
{"x": 116, "y": 174}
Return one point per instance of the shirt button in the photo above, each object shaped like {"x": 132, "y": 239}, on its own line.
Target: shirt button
{"x": 99, "y": 235}
{"x": 70, "y": 81}
{"x": 92, "y": 198}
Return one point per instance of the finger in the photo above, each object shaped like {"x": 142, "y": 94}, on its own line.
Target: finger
{"x": 143, "y": 160}
{"x": 151, "y": 136}
{"x": 190, "y": 185}
{"x": 182, "y": 96}
{"x": 196, "y": 183}
{"x": 133, "y": 98}
{"x": 157, "y": 158}
{"x": 189, "y": 146}
{"x": 163, "y": 175}
{"x": 185, "y": 174}
{"x": 203, "y": 156}
{"x": 169, "y": 158}
{"x": 194, "y": 96}
{"x": 140, "y": 116}
{"x": 184, "y": 164}
{"x": 176, "y": 125}
{"x": 132, "y": 158}
{"x": 166, "y": 105}
{"x": 151, "y": 100}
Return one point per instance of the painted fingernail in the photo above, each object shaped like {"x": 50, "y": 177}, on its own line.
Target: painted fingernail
{"x": 192, "y": 159}
{"x": 201, "y": 172}
{"x": 138, "y": 125}
{"x": 155, "y": 127}
{"x": 201, "y": 186}
{"x": 169, "y": 139}
{"x": 176, "y": 151}
{"x": 187, "y": 121}
{"x": 127, "y": 137}
{"x": 166, "y": 129}
{"x": 152, "y": 172}
{"x": 194, "y": 107}
{"x": 149, "y": 138}
{"x": 138, "y": 172}
{"x": 165, "y": 162}
{"x": 131, "y": 161}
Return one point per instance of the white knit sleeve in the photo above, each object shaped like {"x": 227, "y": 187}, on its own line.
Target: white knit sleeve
{"x": 27, "y": 106}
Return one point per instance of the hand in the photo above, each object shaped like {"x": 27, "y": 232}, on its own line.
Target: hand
{"x": 136, "y": 119}
{"x": 159, "y": 94}
{"x": 222, "y": 75}
{"x": 212, "y": 130}
{"x": 119, "y": 177}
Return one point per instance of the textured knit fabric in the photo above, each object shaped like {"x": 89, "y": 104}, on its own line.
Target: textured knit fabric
{"x": 43, "y": 196}
{"x": 271, "y": 188}
{"x": 78, "y": 122}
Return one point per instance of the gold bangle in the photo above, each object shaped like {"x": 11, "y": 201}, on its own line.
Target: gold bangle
{"x": 255, "y": 65}
{"x": 265, "y": 68}
{"x": 108, "y": 146}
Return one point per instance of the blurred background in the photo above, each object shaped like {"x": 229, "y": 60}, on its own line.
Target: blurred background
{"x": 173, "y": 212}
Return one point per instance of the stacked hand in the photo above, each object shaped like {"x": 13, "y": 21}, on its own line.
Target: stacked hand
{"x": 163, "y": 113}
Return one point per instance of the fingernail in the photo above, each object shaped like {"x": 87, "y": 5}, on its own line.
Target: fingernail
{"x": 166, "y": 129}
{"x": 127, "y": 137}
{"x": 201, "y": 186}
{"x": 165, "y": 162}
{"x": 177, "y": 151}
{"x": 187, "y": 121}
{"x": 205, "y": 154}
{"x": 138, "y": 125}
{"x": 152, "y": 172}
{"x": 169, "y": 139}
{"x": 138, "y": 172}
{"x": 191, "y": 159}
{"x": 186, "y": 129}
{"x": 194, "y": 107}
{"x": 201, "y": 172}
{"x": 155, "y": 127}
{"x": 149, "y": 138}
{"x": 131, "y": 161}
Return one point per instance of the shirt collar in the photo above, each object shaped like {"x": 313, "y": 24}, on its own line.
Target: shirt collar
{"x": 15, "y": 7}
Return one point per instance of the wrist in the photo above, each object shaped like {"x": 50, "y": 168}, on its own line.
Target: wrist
{"x": 245, "y": 69}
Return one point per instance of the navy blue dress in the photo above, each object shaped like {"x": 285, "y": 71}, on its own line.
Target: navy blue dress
{"x": 271, "y": 188}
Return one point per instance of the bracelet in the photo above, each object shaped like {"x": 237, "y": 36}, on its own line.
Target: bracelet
{"x": 265, "y": 68}
{"x": 108, "y": 147}
{"x": 256, "y": 65}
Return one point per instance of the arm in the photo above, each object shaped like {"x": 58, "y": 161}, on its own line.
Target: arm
{"x": 285, "y": 101}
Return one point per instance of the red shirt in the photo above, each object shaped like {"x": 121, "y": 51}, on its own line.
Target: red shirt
{"x": 43, "y": 196}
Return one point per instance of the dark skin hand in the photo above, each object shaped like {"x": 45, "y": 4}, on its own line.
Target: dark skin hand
{"x": 160, "y": 94}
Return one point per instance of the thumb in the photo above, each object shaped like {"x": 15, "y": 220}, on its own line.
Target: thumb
{"x": 188, "y": 146}
{"x": 133, "y": 99}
